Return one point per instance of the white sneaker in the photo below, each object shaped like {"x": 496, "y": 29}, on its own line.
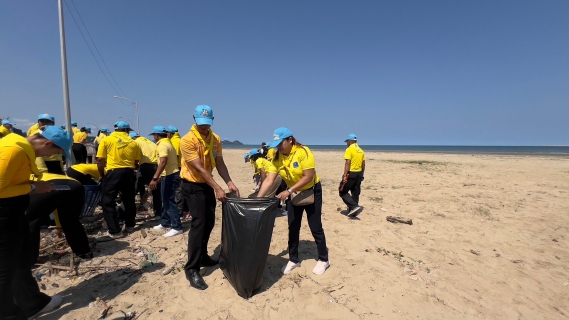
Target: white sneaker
{"x": 53, "y": 304}
{"x": 116, "y": 235}
{"x": 159, "y": 227}
{"x": 173, "y": 232}
{"x": 321, "y": 267}
{"x": 289, "y": 267}
{"x": 355, "y": 212}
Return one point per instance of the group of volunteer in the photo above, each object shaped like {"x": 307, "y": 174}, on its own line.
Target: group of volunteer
{"x": 178, "y": 173}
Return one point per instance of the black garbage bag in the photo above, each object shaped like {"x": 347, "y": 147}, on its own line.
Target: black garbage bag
{"x": 246, "y": 231}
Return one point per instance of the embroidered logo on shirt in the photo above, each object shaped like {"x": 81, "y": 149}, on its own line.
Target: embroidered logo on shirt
{"x": 295, "y": 165}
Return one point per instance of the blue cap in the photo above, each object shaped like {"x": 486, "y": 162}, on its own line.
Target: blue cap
{"x": 133, "y": 134}
{"x": 172, "y": 129}
{"x": 74, "y": 123}
{"x": 60, "y": 137}
{"x": 6, "y": 121}
{"x": 253, "y": 152}
{"x": 280, "y": 134}
{"x": 62, "y": 127}
{"x": 122, "y": 125}
{"x": 351, "y": 136}
{"x": 103, "y": 129}
{"x": 158, "y": 129}
{"x": 203, "y": 115}
{"x": 88, "y": 129}
{"x": 45, "y": 116}
{"x": 245, "y": 156}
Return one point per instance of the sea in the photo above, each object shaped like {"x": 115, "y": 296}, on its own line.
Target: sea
{"x": 513, "y": 150}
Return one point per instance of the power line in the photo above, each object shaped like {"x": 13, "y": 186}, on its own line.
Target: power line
{"x": 88, "y": 46}
{"x": 97, "y": 49}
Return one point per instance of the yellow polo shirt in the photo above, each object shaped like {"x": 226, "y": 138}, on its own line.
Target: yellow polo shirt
{"x": 271, "y": 154}
{"x": 75, "y": 130}
{"x": 33, "y": 130}
{"x": 291, "y": 168}
{"x": 148, "y": 149}
{"x": 176, "y": 143}
{"x": 356, "y": 156}
{"x": 192, "y": 149}
{"x": 120, "y": 151}
{"x": 165, "y": 149}
{"x": 15, "y": 168}
{"x": 89, "y": 169}
{"x": 100, "y": 137}
{"x": 79, "y": 137}
{"x": 255, "y": 168}
{"x": 265, "y": 164}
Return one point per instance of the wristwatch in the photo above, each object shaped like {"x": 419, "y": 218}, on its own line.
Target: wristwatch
{"x": 33, "y": 188}
{"x": 289, "y": 191}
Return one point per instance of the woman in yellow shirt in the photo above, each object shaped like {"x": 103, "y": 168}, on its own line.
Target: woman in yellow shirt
{"x": 270, "y": 180}
{"x": 21, "y": 297}
{"x": 296, "y": 166}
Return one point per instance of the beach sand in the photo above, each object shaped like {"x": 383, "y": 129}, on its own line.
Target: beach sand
{"x": 489, "y": 240}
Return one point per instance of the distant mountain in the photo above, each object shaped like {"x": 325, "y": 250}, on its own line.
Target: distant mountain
{"x": 232, "y": 143}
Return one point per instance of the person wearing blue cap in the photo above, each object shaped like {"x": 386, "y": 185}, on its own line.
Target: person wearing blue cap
{"x": 119, "y": 154}
{"x": 201, "y": 153}
{"x": 54, "y": 163}
{"x": 246, "y": 157}
{"x": 354, "y": 167}
{"x": 74, "y": 127}
{"x": 168, "y": 176}
{"x": 298, "y": 169}
{"x": 270, "y": 180}
{"x": 175, "y": 138}
{"x": 100, "y": 136}
{"x": 6, "y": 127}
{"x": 21, "y": 297}
{"x": 146, "y": 168}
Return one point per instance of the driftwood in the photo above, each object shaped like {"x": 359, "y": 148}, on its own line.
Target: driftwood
{"x": 399, "y": 220}
{"x": 60, "y": 242}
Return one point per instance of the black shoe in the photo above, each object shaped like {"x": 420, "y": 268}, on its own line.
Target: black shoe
{"x": 196, "y": 280}
{"x": 207, "y": 261}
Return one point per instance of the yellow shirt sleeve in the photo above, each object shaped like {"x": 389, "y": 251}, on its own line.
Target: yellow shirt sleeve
{"x": 348, "y": 155}
{"x": 102, "y": 151}
{"x": 266, "y": 165}
{"x": 162, "y": 150}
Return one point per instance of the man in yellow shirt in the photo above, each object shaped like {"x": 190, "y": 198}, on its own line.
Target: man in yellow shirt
{"x": 146, "y": 168}
{"x": 21, "y": 297}
{"x": 74, "y": 128}
{"x": 86, "y": 173}
{"x": 175, "y": 138}
{"x": 6, "y": 127}
{"x": 120, "y": 155}
{"x": 53, "y": 163}
{"x": 201, "y": 153}
{"x": 354, "y": 168}
{"x": 168, "y": 176}
{"x": 78, "y": 148}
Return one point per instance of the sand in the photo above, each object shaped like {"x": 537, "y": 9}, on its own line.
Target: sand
{"x": 489, "y": 240}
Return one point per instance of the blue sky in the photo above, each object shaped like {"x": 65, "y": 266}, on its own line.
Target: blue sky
{"x": 393, "y": 72}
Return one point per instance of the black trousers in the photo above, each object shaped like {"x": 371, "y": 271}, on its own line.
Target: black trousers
{"x": 201, "y": 201}
{"x": 85, "y": 179}
{"x": 353, "y": 185}
{"x": 144, "y": 176}
{"x": 118, "y": 180}
{"x": 180, "y": 202}
{"x": 20, "y": 296}
{"x": 54, "y": 167}
{"x": 79, "y": 152}
{"x": 314, "y": 215}
{"x": 69, "y": 205}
